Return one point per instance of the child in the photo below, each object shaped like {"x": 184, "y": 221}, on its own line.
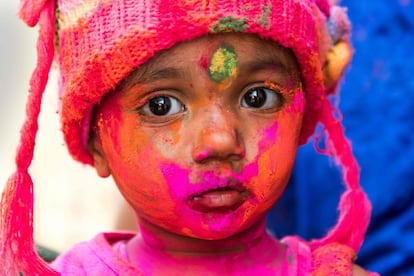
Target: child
{"x": 196, "y": 109}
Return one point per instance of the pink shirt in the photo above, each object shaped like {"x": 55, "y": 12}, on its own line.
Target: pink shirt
{"x": 106, "y": 255}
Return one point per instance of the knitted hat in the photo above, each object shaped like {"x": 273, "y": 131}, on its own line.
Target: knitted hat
{"x": 98, "y": 43}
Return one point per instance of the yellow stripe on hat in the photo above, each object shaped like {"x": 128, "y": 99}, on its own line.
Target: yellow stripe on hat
{"x": 71, "y": 11}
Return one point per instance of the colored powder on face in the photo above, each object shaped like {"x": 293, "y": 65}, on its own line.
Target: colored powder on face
{"x": 269, "y": 137}
{"x": 223, "y": 64}
{"x": 272, "y": 161}
{"x": 176, "y": 177}
{"x": 203, "y": 62}
{"x": 109, "y": 121}
{"x": 298, "y": 103}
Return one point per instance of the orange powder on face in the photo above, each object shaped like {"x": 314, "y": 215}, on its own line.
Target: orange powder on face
{"x": 298, "y": 103}
{"x": 288, "y": 93}
{"x": 175, "y": 127}
{"x": 274, "y": 164}
{"x": 125, "y": 149}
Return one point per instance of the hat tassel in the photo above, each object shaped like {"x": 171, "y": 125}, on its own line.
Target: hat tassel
{"x": 17, "y": 251}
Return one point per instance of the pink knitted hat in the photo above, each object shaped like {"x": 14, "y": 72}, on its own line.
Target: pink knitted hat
{"x": 98, "y": 43}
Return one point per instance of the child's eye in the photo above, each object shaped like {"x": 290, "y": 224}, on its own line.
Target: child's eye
{"x": 262, "y": 98}
{"x": 162, "y": 106}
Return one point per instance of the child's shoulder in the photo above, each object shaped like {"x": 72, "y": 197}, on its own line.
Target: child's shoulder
{"x": 298, "y": 254}
{"x": 105, "y": 253}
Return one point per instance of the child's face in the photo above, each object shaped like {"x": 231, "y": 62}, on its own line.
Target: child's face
{"x": 201, "y": 140}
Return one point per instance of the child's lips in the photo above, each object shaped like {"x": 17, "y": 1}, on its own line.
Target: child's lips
{"x": 219, "y": 200}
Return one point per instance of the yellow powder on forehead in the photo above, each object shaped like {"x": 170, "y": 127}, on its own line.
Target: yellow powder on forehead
{"x": 223, "y": 64}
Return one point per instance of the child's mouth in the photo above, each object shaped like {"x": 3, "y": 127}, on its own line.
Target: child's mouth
{"x": 221, "y": 200}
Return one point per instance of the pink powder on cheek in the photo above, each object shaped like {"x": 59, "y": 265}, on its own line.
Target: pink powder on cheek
{"x": 177, "y": 178}
{"x": 298, "y": 104}
{"x": 268, "y": 137}
{"x": 250, "y": 170}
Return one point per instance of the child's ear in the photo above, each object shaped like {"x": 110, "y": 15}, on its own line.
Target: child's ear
{"x": 99, "y": 160}
{"x": 337, "y": 59}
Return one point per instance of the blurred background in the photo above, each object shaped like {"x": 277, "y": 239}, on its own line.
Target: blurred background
{"x": 72, "y": 203}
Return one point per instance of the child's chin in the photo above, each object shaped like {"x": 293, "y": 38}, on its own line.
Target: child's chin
{"x": 218, "y": 226}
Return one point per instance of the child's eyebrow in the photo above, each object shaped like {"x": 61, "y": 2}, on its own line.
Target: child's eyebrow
{"x": 147, "y": 74}
{"x": 265, "y": 62}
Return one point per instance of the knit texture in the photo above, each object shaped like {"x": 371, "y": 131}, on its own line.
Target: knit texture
{"x": 97, "y": 44}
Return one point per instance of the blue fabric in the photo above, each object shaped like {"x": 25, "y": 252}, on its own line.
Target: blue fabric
{"x": 377, "y": 100}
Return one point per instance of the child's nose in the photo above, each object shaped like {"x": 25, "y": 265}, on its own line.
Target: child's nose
{"x": 218, "y": 137}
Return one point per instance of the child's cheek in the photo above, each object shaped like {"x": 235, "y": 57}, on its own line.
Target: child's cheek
{"x": 167, "y": 138}
{"x": 297, "y": 105}
{"x": 276, "y": 154}
{"x": 267, "y": 164}
{"x": 135, "y": 163}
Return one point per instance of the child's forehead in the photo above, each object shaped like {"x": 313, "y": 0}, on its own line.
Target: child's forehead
{"x": 250, "y": 49}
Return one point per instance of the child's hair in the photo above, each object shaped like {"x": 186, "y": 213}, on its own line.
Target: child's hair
{"x": 96, "y": 44}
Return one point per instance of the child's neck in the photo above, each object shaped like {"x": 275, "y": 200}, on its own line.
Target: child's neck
{"x": 156, "y": 251}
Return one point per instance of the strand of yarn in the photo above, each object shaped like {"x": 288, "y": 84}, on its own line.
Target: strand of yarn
{"x": 17, "y": 253}
{"x": 354, "y": 206}
{"x": 332, "y": 259}
{"x": 30, "y": 10}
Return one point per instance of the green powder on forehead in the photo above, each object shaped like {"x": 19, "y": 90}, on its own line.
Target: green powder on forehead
{"x": 223, "y": 64}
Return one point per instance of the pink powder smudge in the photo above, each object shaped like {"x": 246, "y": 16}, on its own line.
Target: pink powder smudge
{"x": 269, "y": 137}
{"x": 298, "y": 104}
